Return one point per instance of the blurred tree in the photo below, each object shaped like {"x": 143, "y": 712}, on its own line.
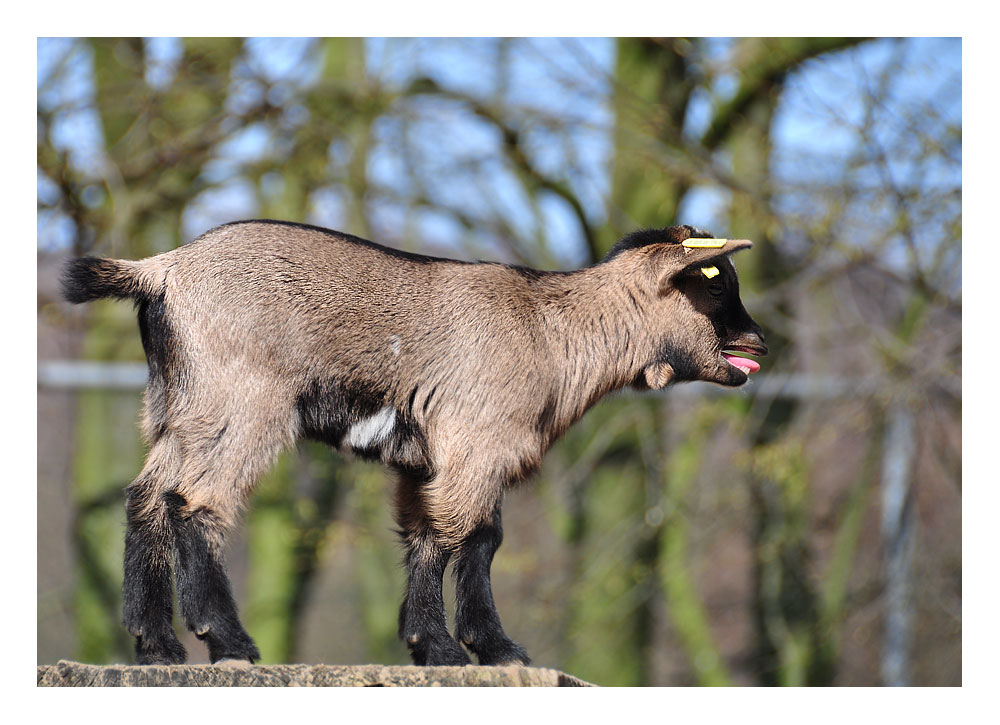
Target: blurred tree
{"x": 656, "y": 82}
{"x": 853, "y": 270}
{"x": 152, "y": 158}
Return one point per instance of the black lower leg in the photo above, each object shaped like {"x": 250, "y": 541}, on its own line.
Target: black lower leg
{"x": 147, "y": 591}
{"x": 422, "y": 622}
{"x": 477, "y": 622}
{"x": 203, "y": 590}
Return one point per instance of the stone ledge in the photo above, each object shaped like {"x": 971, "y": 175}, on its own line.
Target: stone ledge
{"x": 74, "y": 674}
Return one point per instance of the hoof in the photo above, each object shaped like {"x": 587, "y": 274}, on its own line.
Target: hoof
{"x": 163, "y": 650}
{"x": 437, "y": 651}
{"x": 505, "y": 654}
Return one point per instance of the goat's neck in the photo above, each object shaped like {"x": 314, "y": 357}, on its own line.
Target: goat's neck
{"x": 597, "y": 336}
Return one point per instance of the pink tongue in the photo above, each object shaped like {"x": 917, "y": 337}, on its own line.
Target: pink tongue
{"x": 741, "y": 362}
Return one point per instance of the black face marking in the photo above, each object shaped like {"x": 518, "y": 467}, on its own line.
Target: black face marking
{"x": 725, "y": 322}
{"x": 718, "y": 298}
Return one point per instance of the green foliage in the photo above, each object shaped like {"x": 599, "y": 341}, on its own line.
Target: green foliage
{"x": 622, "y": 491}
{"x": 686, "y": 610}
{"x": 378, "y": 577}
{"x": 603, "y": 600}
{"x": 108, "y": 454}
{"x": 271, "y": 530}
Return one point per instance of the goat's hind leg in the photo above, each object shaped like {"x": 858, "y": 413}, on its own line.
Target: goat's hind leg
{"x": 220, "y": 469}
{"x": 203, "y": 588}
{"x": 477, "y": 621}
{"x": 147, "y": 591}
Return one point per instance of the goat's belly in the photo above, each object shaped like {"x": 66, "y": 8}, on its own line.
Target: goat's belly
{"x": 389, "y": 438}
{"x": 370, "y": 433}
{"x": 357, "y": 418}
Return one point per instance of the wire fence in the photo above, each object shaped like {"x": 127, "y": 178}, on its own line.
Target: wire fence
{"x": 896, "y": 480}
{"x": 83, "y": 375}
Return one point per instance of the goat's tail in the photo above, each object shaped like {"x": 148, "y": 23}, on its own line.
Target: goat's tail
{"x": 91, "y": 278}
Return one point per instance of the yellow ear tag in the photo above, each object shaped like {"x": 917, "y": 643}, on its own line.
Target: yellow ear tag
{"x": 704, "y": 243}
{"x": 710, "y": 271}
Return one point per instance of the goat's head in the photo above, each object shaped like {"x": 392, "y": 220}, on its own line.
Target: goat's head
{"x": 696, "y": 317}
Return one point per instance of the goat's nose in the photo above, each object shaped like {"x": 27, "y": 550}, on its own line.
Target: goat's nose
{"x": 753, "y": 341}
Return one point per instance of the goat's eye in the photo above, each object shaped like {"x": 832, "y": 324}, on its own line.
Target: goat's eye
{"x": 715, "y": 289}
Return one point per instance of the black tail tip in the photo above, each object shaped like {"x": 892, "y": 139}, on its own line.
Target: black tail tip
{"x": 91, "y": 278}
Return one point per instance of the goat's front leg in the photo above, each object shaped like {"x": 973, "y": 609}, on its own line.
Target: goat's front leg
{"x": 477, "y": 621}
{"x": 422, "y": 620}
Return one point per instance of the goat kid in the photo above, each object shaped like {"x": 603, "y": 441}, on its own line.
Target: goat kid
{"x": 457, "y": 375}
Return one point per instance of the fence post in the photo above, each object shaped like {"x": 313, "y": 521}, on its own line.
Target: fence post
{"x": 897, "y": 542}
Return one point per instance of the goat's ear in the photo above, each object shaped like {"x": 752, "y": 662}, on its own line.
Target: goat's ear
{"x": 674, "y": 259}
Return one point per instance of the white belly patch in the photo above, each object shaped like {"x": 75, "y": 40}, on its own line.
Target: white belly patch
{"x": 371, "y": 431}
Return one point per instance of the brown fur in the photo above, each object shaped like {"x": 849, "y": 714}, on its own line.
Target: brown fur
{"x": 257, "y": 309}
{"x": 483, "y": 366}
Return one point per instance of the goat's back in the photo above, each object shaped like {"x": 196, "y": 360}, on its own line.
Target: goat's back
{"x": 291, "y": 308}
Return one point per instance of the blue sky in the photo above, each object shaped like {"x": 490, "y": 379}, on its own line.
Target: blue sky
{"x": 566, "y": 78}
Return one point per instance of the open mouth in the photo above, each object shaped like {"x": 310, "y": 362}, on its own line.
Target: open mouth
{"x": 746, "y": 365}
